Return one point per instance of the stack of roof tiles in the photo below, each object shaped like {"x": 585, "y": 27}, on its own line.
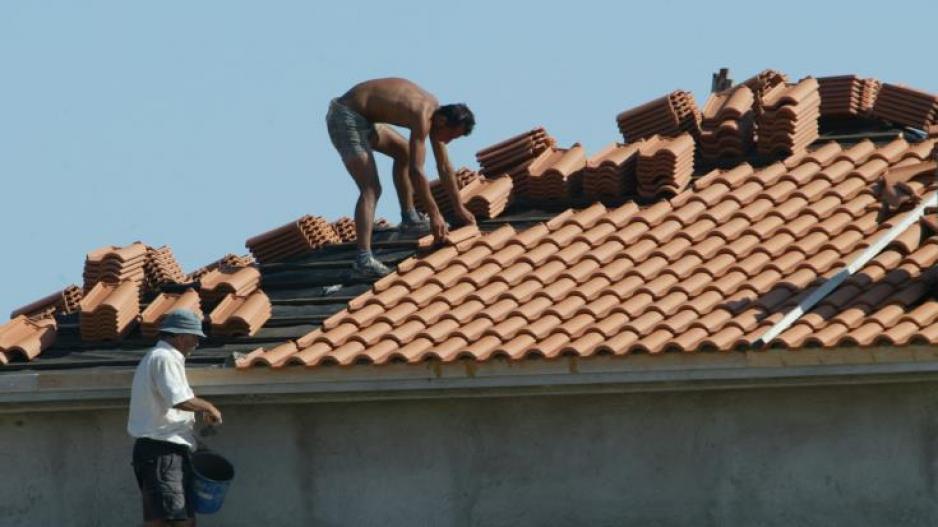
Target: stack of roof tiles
{"x": 22, "y": 337}
{"x": 215, "y": 285}
{"x": 726, "y": 130}
{"x": 466, "y": 181}
{"x": 789, "y": 119}
{"x": 761, "y": 83}
{"x": 115, "y": 264}
{"x": 906, "y": 106}
{"x": 670, "y": 115}
{"x": 229, "y": 260}
{"x": 240, "y": 316}
{"x": 513, "y": 156}
{"x": 109, "y": 310}
{"x": 665, "y": 165}
{"x": 153, "y": 315}
{"x": 713, "y": 268}
{"x": 847, "y": 95}
{"x": 344, "y": 228}
{"x": 610, "y": 173}
{"x": 549, "y": 176}
{"x": 62, "y": 302}
{"x": 293, "y": 239}
{"x": 162, "y": 268}
{"x": 489, "y": 197}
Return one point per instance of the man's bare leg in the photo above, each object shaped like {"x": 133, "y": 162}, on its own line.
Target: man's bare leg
{"x": 394, "y": 145}
{"x": 365, "y": 173}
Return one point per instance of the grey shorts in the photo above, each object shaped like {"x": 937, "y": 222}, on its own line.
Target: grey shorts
{"x": 164, "y": 477}
{"x": 351, "y": 134}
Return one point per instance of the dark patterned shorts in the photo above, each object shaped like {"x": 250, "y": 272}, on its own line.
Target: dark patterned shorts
{"x": 164, "y": 476}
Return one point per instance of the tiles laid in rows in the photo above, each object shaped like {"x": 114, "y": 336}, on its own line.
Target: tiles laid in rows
{"x": 109, "y": 311}
{"x": 240, "y": 315}
{"x": 64, "y": 302}
{"x": 292, "y": 239}
{"x": 611, "y": 172}
{"x": 789, "y": 119}
{"x": 728, "y": 124}
{"x": 665, "y": 165}
{"x": 153, "y": 314}
{"x": 710, "y": 269}
{"x": 847, "y": 95}
{"x": 906, "y": 106}
{"x": 670, "y": 115}
{"x": 115, "y": 264}
{"x": 22, "y": 337}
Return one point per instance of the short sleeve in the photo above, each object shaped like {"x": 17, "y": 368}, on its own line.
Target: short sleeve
{"x": 170, "y": 380}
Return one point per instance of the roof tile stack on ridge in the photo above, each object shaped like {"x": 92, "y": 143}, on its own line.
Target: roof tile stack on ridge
{"x": 240, "y": 316}
{"x": 728, "y": 124}
{"x": 215, "y": 285}
{"x": 114, "y": 264}
{"x": 466, "y": 182}
{"x": 153, "y": 315}
{"x": 490, "y": 197}
{"x": 513, "y": 156}
{"x": 713, "y": 268}
{"x": 344, "y": 228}
{"x": 665, "y": 165}
{"x": 611, "y": 172}
{"x": 789, "y": 119}
{"x": 847, "y": 95}
{"x": 229, "y": 260}
{"x": 670, "y": 115}
{"x": 549, "y": 176}
{"x": 22, "y": 337}
{"x": 162, "y": 268}
{"x": 761, "y": 83}
{"x": 292, "y": 239}
{"x": 906, "y": 106}
{"x": 109, "y": 311}
{"x": 64, "y": 302}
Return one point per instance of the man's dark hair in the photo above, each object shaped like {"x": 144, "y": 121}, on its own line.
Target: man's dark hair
{"x": 458, "y": 115}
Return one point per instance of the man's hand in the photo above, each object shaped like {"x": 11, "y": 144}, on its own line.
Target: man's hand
{"x": 212, "y": 415}
{"x": 438, "y": 227}
{"x": 464, "y": 216}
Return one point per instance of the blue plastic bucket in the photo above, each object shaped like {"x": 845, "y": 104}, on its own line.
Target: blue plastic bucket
{"x": 213, "y": 474}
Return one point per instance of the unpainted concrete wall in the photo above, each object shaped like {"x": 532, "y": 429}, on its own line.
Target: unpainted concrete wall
{"x": 856, "y": 455}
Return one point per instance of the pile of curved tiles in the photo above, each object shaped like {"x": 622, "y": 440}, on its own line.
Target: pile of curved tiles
{"x": 115, "y": 264}
{"x": 229, "y": 260}
{"x": 847, "y": 95}
{"x": 240, "y": 316}
{"x": 292, "y": 239}
{"x": 466, "y": 180}
{"x": 549, "y": 176}
{"x": 25, "y": 338}
{"x": 789, "y": 119}
{"x": 665, "y": 165}
{"x": 108, "y": 311}
{"x": 489, "y": 197}
{"x": 610, "y": 173}
{"x": 906, "y": 106}
{"x": 215, "y": 285}
{"x": 162, "y": 268}
{"x": 670, "y": 115}
{"x": 513, "y": 156}
{"x": 728, "y": 124}
{"x": 62, "y": 302}
{"x": 344, "y": 228}
{"x": 153, "y": 315}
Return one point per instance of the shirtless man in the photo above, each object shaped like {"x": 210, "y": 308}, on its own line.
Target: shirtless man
{"x": 356, "y": 127}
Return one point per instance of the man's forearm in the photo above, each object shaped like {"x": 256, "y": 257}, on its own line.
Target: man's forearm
{"x": 422, "y": 189}
{"x": 448, "y": 179}
{"x": 195, "y": 405}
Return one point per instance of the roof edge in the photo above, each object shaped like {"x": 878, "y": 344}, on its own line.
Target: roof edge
{"x": 81, "y": 389}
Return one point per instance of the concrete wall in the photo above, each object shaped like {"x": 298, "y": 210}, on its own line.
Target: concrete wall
{"x": 849, "y": 455}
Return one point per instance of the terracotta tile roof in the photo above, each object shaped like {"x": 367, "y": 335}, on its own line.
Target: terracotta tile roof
{"x": 611, "y": 172}
{"x": 25, "y": 337}
{"x": 714, "y": 267}
{"x": 789, "y": 119}
{"x": 847, "y": 95}
{"x": 670, "y": 115}
{"x": 109, "y": 311}
{"x": 293, "y": 239}
{"x": 237, "y": 316}
{"x": 154, "y": 313}
{"x": 728, "y": 124}
{"x": 62, "y": 302}
{"x": 906, "y": 106}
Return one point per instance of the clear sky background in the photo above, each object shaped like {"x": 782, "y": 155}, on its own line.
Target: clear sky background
{"x": 200, "y": 124}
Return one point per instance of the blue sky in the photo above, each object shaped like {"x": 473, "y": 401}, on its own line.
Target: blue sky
{"x": 200, "y": 124}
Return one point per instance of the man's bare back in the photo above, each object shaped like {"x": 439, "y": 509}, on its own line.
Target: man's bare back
{"x": 394, "y": 101}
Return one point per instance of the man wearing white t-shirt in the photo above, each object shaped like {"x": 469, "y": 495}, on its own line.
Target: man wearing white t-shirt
{"x": 162, "y": 415}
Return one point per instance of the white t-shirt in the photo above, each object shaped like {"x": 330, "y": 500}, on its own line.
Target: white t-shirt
{"x": 159, "y": 384}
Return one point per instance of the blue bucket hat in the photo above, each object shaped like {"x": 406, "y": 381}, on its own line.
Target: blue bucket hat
{"x": 182, "y": 321}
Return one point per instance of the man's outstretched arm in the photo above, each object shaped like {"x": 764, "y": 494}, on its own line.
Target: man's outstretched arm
{"x": 448, "y": 177}
{"x": 201, "y": 405}
{"x": 418, "y": 154}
